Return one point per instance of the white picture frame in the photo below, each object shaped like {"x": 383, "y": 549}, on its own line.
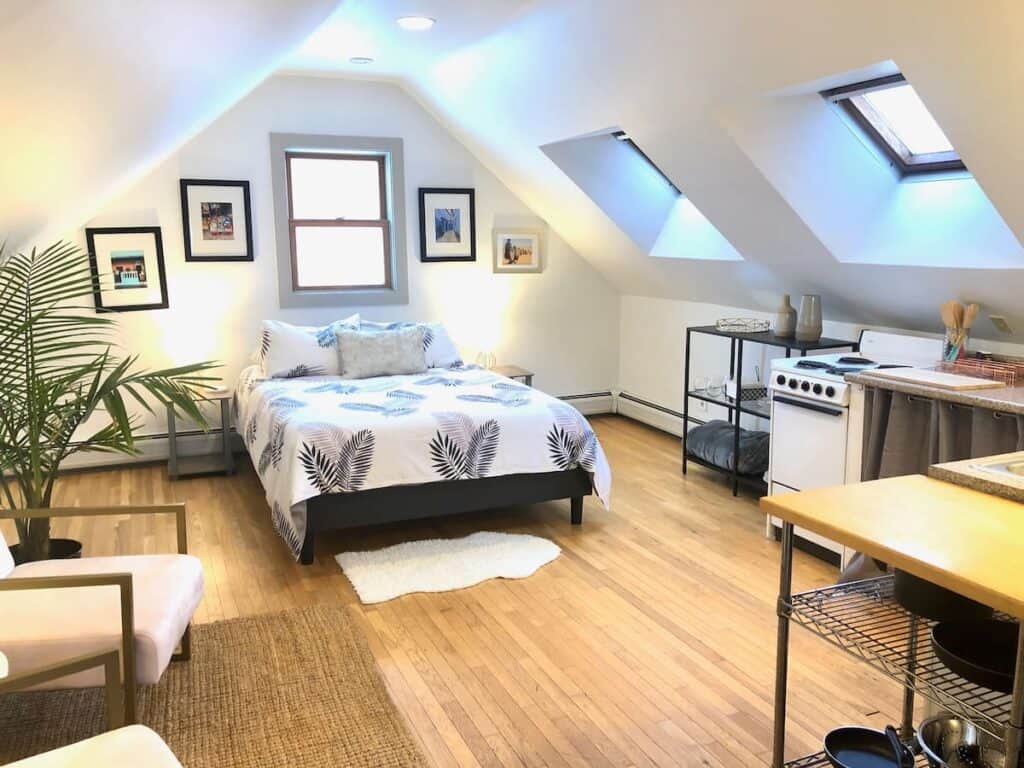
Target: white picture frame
{"x": 518, "y": 250}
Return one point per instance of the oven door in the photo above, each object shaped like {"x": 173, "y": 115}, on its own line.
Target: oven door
{"x": 808, "y": 444}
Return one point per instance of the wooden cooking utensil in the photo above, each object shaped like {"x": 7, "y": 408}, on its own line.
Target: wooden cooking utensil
{"x": 948, "y": 314}
{"x": 970, "y": 315}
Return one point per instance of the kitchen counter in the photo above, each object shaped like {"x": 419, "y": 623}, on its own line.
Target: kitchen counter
{"x": 957, "y": 537}
{"x": 967, "y": 474}
{"x": 1003, "y": 399}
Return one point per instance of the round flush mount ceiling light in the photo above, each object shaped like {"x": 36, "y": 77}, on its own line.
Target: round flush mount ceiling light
{"x": 415, "y": 23}
{"x": 361, "y": 60}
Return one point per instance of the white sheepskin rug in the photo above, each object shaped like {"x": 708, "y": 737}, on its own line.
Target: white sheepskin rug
{"x": 440, "y": 565}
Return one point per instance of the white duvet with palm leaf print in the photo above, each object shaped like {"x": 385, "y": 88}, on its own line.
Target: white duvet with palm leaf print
{"x": 323, "y": 434}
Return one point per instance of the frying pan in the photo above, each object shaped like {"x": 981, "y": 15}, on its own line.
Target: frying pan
{"x": 982, "y": 651}
{"x": 856, "y": 747}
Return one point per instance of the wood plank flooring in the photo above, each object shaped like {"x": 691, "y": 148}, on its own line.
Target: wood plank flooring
{"x": 649, "y": 642}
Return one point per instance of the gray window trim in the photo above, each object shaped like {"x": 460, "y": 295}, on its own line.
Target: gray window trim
{"x": 391, "y": 148}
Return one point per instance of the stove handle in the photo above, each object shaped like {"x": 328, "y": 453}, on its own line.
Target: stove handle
{"x": 809, "y": 406}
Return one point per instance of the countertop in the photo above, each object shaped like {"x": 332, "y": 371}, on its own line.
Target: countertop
{"x": 959, "y": 538}
{"x": 1004, "y": 399}
{"x": 966, "y": 474}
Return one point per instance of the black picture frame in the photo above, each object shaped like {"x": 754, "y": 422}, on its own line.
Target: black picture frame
{"x": 471, "y": 195}
{"x": 90, "y": 236}
{"x": 184, "y": 185}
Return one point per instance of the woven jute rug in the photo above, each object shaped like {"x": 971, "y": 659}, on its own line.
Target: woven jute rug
{"x": 299, "y": 688}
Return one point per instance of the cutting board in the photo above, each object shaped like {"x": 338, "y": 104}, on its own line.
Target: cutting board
{"x": 929, "y": 378}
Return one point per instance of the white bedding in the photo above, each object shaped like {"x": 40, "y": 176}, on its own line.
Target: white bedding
{"x": 323, "y": 434}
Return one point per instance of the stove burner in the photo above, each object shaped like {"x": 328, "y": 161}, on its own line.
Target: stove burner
{"x": 814, "y": 365}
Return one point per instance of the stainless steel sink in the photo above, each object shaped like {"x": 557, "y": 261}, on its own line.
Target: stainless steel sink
{"x": 1007, "y": 468}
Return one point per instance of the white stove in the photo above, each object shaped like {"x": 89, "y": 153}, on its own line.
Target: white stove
{"x": 815, "y": 433}
{"x": 819, "y": 378}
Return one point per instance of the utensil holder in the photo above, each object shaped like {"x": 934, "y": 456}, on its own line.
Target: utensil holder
{"x": 954, "y": 346}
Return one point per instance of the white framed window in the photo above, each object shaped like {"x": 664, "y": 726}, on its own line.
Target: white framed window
{"x": 339, "y": 215}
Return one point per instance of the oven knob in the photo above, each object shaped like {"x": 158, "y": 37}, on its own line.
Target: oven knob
{"x": 806, "y": 386}
{"x": 793, "y": 383}
{"x": 830, "y": 391}
{"x": 817, "y": 389}
{"x": 780, "y": 379}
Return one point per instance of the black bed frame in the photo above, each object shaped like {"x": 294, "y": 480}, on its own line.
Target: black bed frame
{"x": 334, "y": 511}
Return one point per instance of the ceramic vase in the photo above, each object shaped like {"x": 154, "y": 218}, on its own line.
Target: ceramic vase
{"x": 808, "y": 323}
{"x": 785, "y": 319}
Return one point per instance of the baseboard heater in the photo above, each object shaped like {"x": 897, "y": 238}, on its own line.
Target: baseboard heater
{"x": 652, "y": 414}
{"x": 592, "y": 403}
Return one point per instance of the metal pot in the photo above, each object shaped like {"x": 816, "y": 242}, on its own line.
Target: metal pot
{"x": 950, "y": 742}
{"x": 922, "y": 597}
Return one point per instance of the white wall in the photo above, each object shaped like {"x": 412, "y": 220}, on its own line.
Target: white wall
{"x": 652, "y": 347}
{"x": 106, "y": 88}
{"x": 562, "y": 323}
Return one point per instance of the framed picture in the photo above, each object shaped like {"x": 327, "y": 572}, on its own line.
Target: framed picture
{"x": 216, "y": 217}
{"x": 447, "y": 224}
{"x": 128, "y": 264}
{"x": 518, "y": 250}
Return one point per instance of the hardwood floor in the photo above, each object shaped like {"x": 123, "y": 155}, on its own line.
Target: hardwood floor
{"x": 649, "y": 642}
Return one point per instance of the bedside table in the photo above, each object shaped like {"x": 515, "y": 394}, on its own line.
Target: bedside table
{"x": 207, "y": 464}
{"x": 515, "y": 372}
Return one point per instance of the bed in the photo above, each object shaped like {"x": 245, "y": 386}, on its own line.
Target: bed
{"x": 336, "y": 453}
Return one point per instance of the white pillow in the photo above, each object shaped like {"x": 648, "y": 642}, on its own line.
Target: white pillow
{"x": 364, "y": 354}
{"x": 287, "y": 351}
{"x": 438, "y": 347}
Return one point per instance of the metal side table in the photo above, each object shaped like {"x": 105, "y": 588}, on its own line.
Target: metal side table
{"x": 221, "y": 463}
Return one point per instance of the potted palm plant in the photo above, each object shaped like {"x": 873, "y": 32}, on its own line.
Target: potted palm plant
{"x": 58, "y": 368}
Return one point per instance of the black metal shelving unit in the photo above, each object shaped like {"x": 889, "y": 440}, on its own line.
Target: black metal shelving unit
{"x": 863, "y": 619}
{"x": 736, "y": 408}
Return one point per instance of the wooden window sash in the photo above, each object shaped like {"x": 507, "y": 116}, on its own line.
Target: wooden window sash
{"x": 384, "y": 223}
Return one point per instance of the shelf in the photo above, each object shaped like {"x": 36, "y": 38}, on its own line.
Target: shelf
{"x": 198, "y": 466}
{"x": 755, "y": 480}
{"x": 771, "y": 340}
{"x": 761, "y": 408}
{"x": 863, "y": 619}
{"x": 820, "y": 759}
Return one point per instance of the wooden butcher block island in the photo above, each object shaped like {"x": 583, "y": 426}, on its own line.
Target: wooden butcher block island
{"x": 956, "y": 537}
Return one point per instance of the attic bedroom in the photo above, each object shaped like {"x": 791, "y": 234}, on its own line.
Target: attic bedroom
{"x": 511, "y": 383}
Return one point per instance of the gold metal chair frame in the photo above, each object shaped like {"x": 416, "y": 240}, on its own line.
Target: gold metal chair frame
{"x": 119, "y": 664}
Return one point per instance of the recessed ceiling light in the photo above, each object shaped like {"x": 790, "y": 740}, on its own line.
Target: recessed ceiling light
{"x": 415, "y": 23}
{"x": 361, "y": 60}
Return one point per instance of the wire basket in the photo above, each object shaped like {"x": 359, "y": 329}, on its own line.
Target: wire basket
{"x": 1009, "y": 373}
{"x": 742, "y": 325}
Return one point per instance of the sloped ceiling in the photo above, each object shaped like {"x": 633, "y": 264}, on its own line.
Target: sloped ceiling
{"x": 510, "y": 77}
{"x": 96, "y": 92}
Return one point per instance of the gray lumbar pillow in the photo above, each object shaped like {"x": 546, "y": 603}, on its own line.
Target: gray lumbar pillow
{"x": 363, "y": 354}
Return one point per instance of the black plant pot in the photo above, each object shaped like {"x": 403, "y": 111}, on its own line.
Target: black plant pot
{"x": 60, "y": 549}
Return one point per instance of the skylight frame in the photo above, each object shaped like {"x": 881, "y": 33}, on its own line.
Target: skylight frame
{"x": 625, "y": 139}
{"x": 850, "y": 98}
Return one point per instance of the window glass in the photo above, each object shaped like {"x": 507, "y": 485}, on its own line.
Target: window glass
{"x": 340, "y": 257}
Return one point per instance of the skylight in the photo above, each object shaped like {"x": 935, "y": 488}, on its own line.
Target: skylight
{"x": 893, "y": 116}
{"x": 626, "y": 139}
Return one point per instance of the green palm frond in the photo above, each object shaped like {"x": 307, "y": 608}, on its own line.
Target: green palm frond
{"x": 58, "y": 369}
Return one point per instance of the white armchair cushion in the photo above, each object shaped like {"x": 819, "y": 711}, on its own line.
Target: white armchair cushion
{"x": 6, "y": 561}
{"x": 43, "y": 627}
{"x": 128, "y": 747}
